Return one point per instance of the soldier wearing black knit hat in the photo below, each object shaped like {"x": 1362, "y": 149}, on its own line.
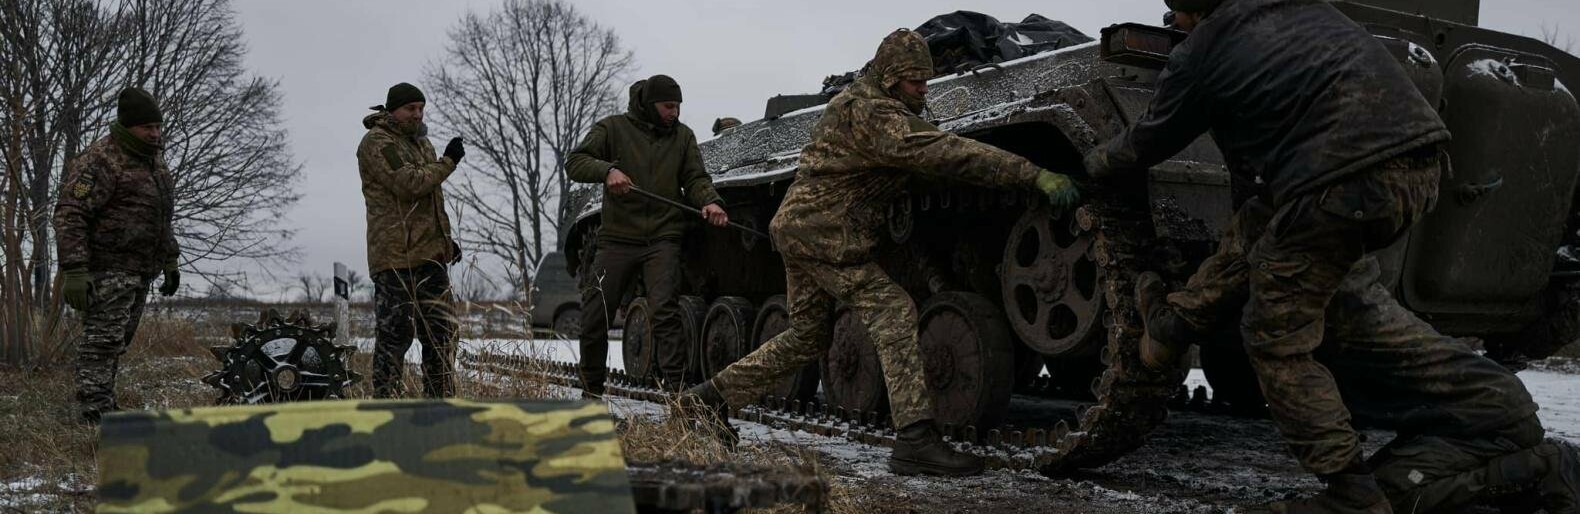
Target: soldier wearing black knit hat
{"x": 114, "y": 237}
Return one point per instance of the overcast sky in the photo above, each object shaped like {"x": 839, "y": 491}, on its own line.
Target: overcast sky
{"x": 336, "y": 58}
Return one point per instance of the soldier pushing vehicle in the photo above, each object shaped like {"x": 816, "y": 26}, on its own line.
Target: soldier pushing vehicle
{"x": 864, "y": 151}
{"x": 1346, "y": 155}
{"x": 114, "y": 235}
{"x": 647, "y": 147}
{"x": 409, "y": 242}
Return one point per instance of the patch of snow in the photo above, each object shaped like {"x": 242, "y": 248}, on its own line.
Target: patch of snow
{"x": 563, "y": 350}
{"x": 25, "y": 484}
{"x": 1559, "y": 85}
{"x": 1493, "y": 68}
{"x": 1558, "y": 394}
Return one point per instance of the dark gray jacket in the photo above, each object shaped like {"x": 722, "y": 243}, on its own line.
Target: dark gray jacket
{"x": 1296, "y": 94}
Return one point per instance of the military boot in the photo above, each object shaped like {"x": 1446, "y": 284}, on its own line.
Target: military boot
{"x": 1545, "y": 477}
{"x": 704, "y": 408}
{"x": 1346, "y": 493}
{"x": 1162, "y": 346}
{"x": 1561, "y": 487}
{"x": 920, "y": 450}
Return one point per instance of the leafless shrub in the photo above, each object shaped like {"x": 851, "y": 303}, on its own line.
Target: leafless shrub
{"x": 523, "y": 84}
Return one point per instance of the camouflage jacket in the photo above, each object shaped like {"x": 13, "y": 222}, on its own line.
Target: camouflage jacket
{"x": 115, "y": 212}
{"x": 401, "y": 177}
{"x": 668, "y": 165}
{"x": 864, "y": 152}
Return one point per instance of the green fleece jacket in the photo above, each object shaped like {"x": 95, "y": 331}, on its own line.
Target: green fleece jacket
{"x": 665, "y": 162}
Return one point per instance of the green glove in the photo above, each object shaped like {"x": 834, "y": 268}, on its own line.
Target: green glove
{"x": 1061, "y": 191}
{"x": 74, "y": 287}
{"x": 172, "y": 281}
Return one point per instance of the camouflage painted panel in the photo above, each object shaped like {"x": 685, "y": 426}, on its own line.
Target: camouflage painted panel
{"x": 452, "y": 456}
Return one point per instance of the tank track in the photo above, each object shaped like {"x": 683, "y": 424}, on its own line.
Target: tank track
{"x": 1131, "y": 401}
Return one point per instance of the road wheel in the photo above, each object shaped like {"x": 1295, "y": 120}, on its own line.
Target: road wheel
{"x": 692, "y": 310}
{"x": 637, "y": 345}
{"x": 852, "y": 373}
{"x": 1050, "y": 283}
{"x": 568, "y": 323}
{"x": 967, "y": 352}
{"x": 726, "y": 332}
{"x": 773, "y": 318}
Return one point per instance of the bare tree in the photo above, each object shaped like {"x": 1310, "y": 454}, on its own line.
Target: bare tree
{"x": 313, "y": 287}
{"x": 61, "y": 63}
{"x": 1555, "y": 37}
{"x": 523, "y": 84}
{"x": 53, "y": 89}
{"x": 355, "y": 283}
{"x": 235, "y": 176}
{"x": 472, "y": 285}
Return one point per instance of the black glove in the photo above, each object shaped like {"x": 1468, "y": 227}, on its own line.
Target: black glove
{"x": 172, "y": 282}
{"x": 455, "y": 151}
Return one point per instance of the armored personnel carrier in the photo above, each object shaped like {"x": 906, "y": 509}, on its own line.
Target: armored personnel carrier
{"x": 1005, "y": 287}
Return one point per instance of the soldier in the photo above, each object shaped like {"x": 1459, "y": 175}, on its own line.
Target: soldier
{"x": 1346, "y": 155}
{"x": 647, "y": 147}
{"x": 113, "y": 233}
{"x": 409, "y": 243}
{"x": 864, "y": 152}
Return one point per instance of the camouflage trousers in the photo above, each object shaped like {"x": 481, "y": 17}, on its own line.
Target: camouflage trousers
{"x": 1327, "y": 340}
{"x": 414, "y": 302}
{"x": 115, "y": 307}
{"x": 614, "y": 271}
{"x": 812, "y": 289}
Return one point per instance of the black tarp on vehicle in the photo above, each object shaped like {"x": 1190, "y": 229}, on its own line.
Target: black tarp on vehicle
{"x": 963, "y": 39}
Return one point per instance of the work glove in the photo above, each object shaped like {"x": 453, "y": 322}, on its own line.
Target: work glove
{"x": 1061, "y": 191}
{"x": 75, "y": 285}
{"x": 455, "y": 150}
{"x": 172, "y": 281}
{"x": 1096, "y": 163}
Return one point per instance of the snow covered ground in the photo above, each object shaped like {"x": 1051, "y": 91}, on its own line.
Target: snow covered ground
{"x": 1558, "y": 393}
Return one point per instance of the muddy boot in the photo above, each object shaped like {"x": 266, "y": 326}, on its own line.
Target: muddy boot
{"x": 1544, "y": 477}
{"x": 920, "y": 450}
{"x": 1162, "y": 346}
{"x": 1346, "y": 493}
{"x": 703, "y": 407}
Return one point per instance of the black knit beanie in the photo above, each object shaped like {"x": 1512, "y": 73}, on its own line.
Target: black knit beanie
{"x": 136, "y": 107}
{"x": 402, "y": 94}
{"x": 660, "y": 88}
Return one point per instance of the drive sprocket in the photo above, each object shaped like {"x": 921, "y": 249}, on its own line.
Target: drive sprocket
{"x": 282, "y": 359}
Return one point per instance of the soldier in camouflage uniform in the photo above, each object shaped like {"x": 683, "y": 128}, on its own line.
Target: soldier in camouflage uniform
{"x": 1346, "y": 154}
{"x": 868, "y": 146}
{"x": 409, "y": 243}
{"x": 113, "y": 234}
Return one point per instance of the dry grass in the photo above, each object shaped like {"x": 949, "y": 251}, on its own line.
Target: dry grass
{"x": 49, "y": 452}
{"x": 48, "y": 463}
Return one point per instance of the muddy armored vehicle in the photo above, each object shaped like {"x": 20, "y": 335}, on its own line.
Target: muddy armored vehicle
{"x": 1005, "y": 287}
